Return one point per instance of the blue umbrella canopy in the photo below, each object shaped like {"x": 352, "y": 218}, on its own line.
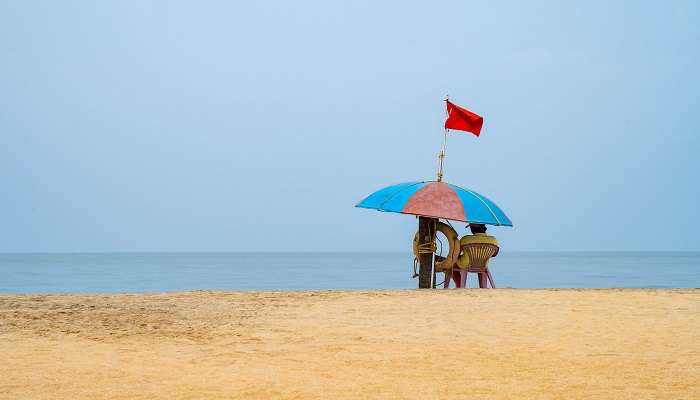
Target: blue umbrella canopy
{"x": 437, "y": 200}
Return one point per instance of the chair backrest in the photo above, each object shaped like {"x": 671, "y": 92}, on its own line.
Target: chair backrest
{"x": 479, "y": 255}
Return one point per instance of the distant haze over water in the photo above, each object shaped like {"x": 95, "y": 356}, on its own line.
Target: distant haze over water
{"x": 157, "y": 272}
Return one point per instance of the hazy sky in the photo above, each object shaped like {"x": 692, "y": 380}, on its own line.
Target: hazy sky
{"x": 257, "y": 126}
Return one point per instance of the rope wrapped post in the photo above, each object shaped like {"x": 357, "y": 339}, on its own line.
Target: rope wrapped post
{"x": 426, "y": 248}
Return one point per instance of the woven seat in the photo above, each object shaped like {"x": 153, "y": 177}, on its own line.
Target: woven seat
{"x": 479, "y": 256}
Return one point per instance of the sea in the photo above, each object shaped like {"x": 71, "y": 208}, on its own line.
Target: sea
{"x": 163, "y": 272}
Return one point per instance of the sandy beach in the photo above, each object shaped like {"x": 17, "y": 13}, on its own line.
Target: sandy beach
{"x": 486, "y": 344}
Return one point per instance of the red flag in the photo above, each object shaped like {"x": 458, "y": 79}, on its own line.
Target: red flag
{"x": 462, "y": 119}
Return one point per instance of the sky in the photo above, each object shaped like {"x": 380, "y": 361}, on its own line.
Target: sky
{"x": 257, "y": 126}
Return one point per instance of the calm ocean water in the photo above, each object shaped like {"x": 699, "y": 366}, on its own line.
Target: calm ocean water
{"x": 155, "y": 272}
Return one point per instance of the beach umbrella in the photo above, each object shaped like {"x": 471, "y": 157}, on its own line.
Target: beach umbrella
{"x": 437, "y": 200}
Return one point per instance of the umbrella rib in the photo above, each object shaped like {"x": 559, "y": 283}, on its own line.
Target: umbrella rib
{"x": 487, "y": 206}
{"x": 381, "y": 205}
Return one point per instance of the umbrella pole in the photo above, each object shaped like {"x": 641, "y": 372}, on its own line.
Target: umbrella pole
{"x": 426, "y": 253}
{"x": 433, "y": 281}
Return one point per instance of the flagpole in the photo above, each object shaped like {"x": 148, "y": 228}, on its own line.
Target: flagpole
{"x": 441, "y": 156}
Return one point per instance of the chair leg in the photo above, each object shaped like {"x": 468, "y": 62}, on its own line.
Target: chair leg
{"x": 482, "y": 281}
{"x": 457, "y": 278}
{"x": 488, "y": 275}
{"x": 448, "y": 276}
{"x": 463, "y": 278}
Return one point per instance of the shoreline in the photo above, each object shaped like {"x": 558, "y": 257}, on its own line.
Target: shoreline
{"x": 349, "y": 291}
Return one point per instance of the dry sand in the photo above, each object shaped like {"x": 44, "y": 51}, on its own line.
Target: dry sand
{"x": 482, "y": 344}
